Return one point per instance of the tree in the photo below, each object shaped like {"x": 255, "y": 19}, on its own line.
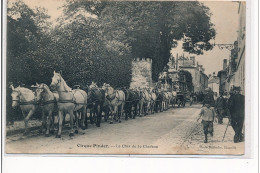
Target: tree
{"x": 29, "y": 44}
{"x": 97, "y": 40}
{"x": 151, "y": 29}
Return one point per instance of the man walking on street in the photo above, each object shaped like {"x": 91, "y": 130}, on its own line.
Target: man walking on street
{"x": 207, "y": 114}
{"x": 236, "y": 106}
{"x": 220, "y": 108}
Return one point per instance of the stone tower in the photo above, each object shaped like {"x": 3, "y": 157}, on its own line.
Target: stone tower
{"x": 141, "y": 73}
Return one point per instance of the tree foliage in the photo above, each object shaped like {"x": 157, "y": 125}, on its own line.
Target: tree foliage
{"x": 29, "y": 46}
{"x": 97, "y": 40}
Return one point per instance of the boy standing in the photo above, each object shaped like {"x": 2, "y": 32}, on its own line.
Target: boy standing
{"x": 207, "y": 114}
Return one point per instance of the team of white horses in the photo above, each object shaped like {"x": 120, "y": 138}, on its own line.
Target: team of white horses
{"x": 74, "y": 103}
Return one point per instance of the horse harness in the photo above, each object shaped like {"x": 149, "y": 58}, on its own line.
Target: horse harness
{"x": 145, "y": 99}
{"x": 32, "y": 102}
{"x": 42, "y": 102}
{"x": 115, "y": 93}
{"x": 72, "y": 100}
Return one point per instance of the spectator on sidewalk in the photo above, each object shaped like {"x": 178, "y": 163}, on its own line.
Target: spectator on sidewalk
{"x": 236, "y": 106}
{"x": 220, "y": 107}
{"x": 207, "y": 114}
{"x": 208, "y": 98}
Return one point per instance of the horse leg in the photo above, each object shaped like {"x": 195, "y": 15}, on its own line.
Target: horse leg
{"x": 60, "y": 124}
{"x": 106, "y": 114}
{"x": 135, "y": 110}
{"x": 91, "y": 115}
{"x": 118, "y": 112}
{"x": 151, "y": 106}
{"x": 163, "y": 105}
{"x": 121, "y": 112}
{"x": 85, "y": 117}
{"x": 127, "y": 110}
{"x": 48, "y": 123}
{"x": 71, "y": 123}
{"x": 84, "y": 121}
{"x": 77, "y": 114}
{"x": 113, "y": 113}
{"x": 43, "y": 122}
{"x": 51, "y": 117}
{"x": 26, "y": 121}
{"x": 98, "y": 112}
{"x": 141, "y": 109}
{"x": 145, "y": 108}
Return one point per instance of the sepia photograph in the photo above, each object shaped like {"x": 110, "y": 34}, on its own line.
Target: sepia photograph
{"x": 125, "y": 77}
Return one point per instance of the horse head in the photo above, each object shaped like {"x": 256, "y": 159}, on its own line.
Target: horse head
{"x": 56, "y": 80}
{"x": 15, "y": 96}
{"x": 39, "y": 91}
{"x": 93, "y": 85}
{"x": 108, "y": 89}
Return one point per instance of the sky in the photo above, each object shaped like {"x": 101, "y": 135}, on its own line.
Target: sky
{"x": 224, "y": 17}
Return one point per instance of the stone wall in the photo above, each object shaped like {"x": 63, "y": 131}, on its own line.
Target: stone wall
{"x": 141, "y": 73}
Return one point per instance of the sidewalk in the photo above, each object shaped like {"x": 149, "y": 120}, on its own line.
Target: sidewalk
{"x": 188, "y": 138}
{"x": 19, "y": 126}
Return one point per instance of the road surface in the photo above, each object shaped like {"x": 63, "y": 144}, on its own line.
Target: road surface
{"x": 170, "y": 132}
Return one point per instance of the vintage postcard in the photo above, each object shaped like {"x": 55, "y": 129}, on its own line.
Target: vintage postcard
{"x": 125, "y": 77}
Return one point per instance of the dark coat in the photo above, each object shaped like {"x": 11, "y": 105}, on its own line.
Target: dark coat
{"x": 236, "y": 106}
{"x": 221, "y": 103}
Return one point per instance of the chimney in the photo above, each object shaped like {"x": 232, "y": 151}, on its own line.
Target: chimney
{"x": 224, "y": 64}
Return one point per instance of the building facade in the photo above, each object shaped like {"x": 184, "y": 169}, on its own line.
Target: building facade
{"x": 222, "y": 75}
{"x": 234, "y": 73}
{"x": 199, "y": 78}
{"x": 241, "y": 39}
{"x": 213, "y": 83}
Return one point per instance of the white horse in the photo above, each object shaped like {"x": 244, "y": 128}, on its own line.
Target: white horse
{"x": 166, "y": 100}
{"x": 69, "y": 101}
{"x": 116, "y": 99}
{"x": 46, "y": 101}
{"x": 144, "y": 102}
{"x": 24, "y": 98}
{"x": 174, "y": 98}
{"x": 170, "y": 97}
{"x": 153, "y": 98}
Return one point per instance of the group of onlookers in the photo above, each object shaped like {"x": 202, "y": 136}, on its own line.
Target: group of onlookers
{"x": 230, "y": 105}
